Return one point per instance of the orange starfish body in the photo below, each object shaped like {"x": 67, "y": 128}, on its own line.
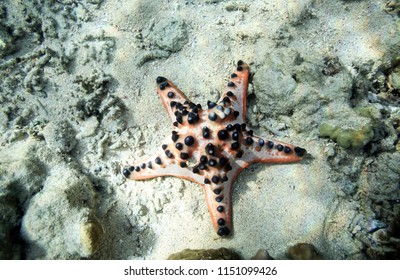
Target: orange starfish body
{"x": 211, "y": 146}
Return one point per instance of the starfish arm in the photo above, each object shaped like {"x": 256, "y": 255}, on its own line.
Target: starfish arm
{"x": 149, "y": 168}
{"x": 257, "y": 149}
{"x": 219, "y": 203}
{"x": 236, "y": 90}
{"x": 166, "y": 161}
{"x": 170, "y": 96}
{"x": 219, "y": 195}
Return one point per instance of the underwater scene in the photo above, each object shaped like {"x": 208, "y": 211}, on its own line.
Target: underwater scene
{"x": 200, "y": 129}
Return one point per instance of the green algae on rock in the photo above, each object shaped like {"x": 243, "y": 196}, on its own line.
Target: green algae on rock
{"x": 347, "y": 138}
{"x": 352, "y": 129}
{"x": 205, "y": 254}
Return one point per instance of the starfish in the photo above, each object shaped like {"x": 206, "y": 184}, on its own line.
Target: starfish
{"x": 211, "y": 146}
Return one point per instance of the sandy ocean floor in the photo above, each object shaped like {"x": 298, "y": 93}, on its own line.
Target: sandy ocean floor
{"x": 78, "y": 102}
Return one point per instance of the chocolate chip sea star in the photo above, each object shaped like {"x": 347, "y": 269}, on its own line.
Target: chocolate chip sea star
{"x": 211, "y": 146}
